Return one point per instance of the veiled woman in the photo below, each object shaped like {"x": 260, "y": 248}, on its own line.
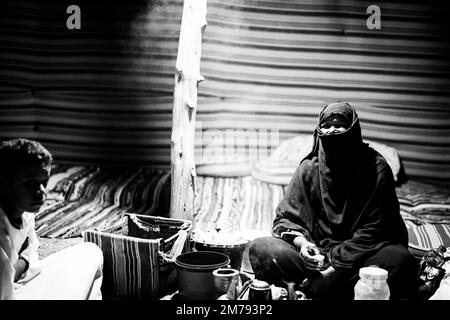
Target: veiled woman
{"x": 340, "y": 204}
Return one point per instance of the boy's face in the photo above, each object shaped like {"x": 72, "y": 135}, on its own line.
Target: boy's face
{"x": 26, "y": 189}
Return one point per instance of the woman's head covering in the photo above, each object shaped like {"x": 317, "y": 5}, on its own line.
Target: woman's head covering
{"x": 339, "y": 155}
{"x": 339, "y": 114}
{"x": 340, "y": 149}
{"x": 336, "y": 120}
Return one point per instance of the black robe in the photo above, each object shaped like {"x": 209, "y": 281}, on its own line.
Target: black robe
{"x": 342, "y": 197}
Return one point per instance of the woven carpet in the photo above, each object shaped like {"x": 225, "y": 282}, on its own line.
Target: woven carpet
{"x": 86, "y": 197}
{"x": 95, "y": 197}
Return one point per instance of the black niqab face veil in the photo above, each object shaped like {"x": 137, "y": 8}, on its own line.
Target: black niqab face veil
{"x": 339, "y": 154}
{"x": 339, "y": 150}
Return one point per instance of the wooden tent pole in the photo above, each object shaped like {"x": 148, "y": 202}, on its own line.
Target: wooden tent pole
{"x": 187, "y": 78}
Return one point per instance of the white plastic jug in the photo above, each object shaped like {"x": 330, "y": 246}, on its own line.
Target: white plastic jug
{"x": 372, "y": 284}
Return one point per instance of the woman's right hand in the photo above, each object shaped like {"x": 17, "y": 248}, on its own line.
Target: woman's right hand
{"x": 308, "y": 253}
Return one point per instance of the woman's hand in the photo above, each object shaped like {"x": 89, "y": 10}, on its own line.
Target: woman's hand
{"x": 309, "y": 254}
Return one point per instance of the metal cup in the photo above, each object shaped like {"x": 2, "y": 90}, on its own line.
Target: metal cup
{"x": 259, "y": 291}
{"x": 223, "y": 277}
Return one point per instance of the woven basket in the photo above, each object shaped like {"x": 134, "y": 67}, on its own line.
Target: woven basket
{"x": 139, "y": 255}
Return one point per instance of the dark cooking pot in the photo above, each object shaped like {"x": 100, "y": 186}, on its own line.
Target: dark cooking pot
{"x": 194, "y": 272}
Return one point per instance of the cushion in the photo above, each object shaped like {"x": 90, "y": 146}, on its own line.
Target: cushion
{"x": 425, "y": 237}
{"x": 424, "y": 203}
{"x": 390, "y": 154}
{"x": 280, "y": 166}
{"x": 238, "y": 169}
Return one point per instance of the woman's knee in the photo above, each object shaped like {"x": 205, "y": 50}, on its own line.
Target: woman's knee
{"x": 397, "y": 257}
{"x": 402, "y": 268}
{"x": 268, "y": 248}
{"x": 260, "y": 246}
{"x": 269, "y": 254}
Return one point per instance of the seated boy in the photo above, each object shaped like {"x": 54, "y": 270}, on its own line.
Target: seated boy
{"x": 73, "y": 273}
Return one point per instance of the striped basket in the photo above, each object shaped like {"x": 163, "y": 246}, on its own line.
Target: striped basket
{"x": 139, "y": 254}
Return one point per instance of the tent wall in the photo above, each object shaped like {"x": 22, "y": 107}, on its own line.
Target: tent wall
{"x": 275, "y": 64}
{"x": 103, "y": 94}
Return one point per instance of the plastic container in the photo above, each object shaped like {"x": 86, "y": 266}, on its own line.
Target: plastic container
{"x": 372, "y": 284}
{"x": 195, "y": 274}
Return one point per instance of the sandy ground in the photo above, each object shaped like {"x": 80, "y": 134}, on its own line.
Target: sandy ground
{"x": 47, "y": 246}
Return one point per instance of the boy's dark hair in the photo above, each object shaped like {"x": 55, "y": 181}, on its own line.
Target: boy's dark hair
{"x": 21, "y": 151}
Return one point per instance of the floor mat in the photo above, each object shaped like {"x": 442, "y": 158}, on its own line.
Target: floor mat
{"x": 84, "y": 197}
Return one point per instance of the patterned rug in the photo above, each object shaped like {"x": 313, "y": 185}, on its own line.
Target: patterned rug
{"x": 96, "y": 197}
{"x": 236, "y": 204}
{"x": 87, "y": 197}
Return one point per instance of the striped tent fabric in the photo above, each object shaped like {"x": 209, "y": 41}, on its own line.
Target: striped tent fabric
{"x": 104, "y": 94}
{"x": 98, "y": 95}
{"x": 275, "y": 64}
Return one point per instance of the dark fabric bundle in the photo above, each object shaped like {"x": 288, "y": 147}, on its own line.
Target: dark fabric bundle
{"x": 342, "y": 196}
